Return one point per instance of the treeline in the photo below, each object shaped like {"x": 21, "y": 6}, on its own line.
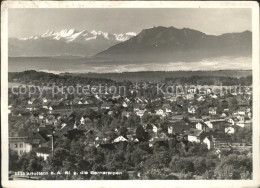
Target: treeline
{"x": 39, "y": 78}
{"x": 158, "y": 76}
{"x": 211, "y": 80}
{"x": 34, "y": 77}
{"x": 171, "y": 160}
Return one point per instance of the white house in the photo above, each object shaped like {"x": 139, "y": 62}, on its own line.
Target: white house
{"x": 194, "y": 136}
{"x": 201, "y": 98}
{"x": 155, "y": 128}
{"x": 232, "y": 121}
{"x": 242, "y": 111}
{"x": 140, "y": 113}
{"x": 230, "y": 130}
{"x": 214, "y": 96}
{"x": 20, "y": 145}
{"x": 213, "y": 111}
{"x": 124, "y": 104}
{"x": 208, "y": 141}
{"x": 160, "y": 112}
{"x": 43, "y": 152}
{"x": 201, "y": 126}
{"x": 192, "y": 109}
{"x": 209, "y": 124}
{"x": 119, "y": 139}
{"x": 82, "y": 120}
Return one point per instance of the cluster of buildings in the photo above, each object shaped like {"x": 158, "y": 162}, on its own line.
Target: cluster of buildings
{"x": 51, "y": 119}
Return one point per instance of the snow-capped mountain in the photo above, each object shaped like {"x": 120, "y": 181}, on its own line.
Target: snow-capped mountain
{"x": 66, "y": 42}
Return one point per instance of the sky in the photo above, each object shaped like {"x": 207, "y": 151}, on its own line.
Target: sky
{"x": 36, "y": 21}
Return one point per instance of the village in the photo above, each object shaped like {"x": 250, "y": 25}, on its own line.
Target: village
{"x": 113, "y": 121}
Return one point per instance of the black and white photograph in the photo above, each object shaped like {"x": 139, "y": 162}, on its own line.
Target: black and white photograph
{"x": 130, "y": 91}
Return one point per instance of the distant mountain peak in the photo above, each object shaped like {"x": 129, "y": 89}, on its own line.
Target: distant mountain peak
{"x": 66, "y": 42}
{"x": 70, "y": 35}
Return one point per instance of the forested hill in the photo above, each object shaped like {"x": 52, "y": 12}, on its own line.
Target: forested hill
{"x": 34, "y": 77}
{"x": 180, "y": 77}
{"x": 158, "y": 76}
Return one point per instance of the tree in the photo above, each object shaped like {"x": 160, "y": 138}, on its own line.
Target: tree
{"x": 233, "y": 167}
{"x": 140, "y": 133}
{"x": 29, "y": 162}
{"x": 183, "y": 165}
{"x": 200, "y": 165}
{"x": 13, "y": 161}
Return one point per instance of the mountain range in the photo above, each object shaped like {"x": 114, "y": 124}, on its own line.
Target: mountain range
{"x": 168, "y": 44}
{"x": 65, "y": 42}
{"x": 172, "y": 44}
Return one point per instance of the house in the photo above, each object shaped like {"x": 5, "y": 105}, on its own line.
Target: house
{"x": 106, "y": 105}
{"x": 224, "y": 114}
{"x": 213, "y": 111}
{"x": 54, "y": 104}
{"x": 195, "y": 135}
{"x": 10, "y": 107}
{"x": 119, "y": 139}
{"x": 192, "y": 89}
{"x": 218, "y": 140}
{"x": 43, "y": 152}
{"x": 148, "y": 127}
{"x": 240, "y": 118}
{"x": 62, "y": 129}
{"x": 232, "y": 120}
{"x": 157, "y": 141}
{"x": 44, "y": 100}
{"x": 82, "y": 120}
{"x": 243, "y": 111}
{"x": 218, "y": 124}
{"x": 173, "y": 118}
{"x": 201, "y": 98}
{"x": 214, "y": 96}
{"x": 140, "y": 112}
{"x": 116, "y": 97}
{"x": 138, "y": 100}
{"x": 76, "y": 101}
{"x": 127, "y": 100}
{"x": 202, "y": 126}
{"x": 249, "y": 115}
{"x": 230, "y": 130}
{"x": 167, "y": 108}
{"x": 110, "y": 112}
{"x": 41, "y": 116}
{"x": 160, "y": 112}
{"x": 151, "y": 128}
{"x": 45, "y": 105}
{"x": 20, "y": 143}
{"x": 139, "y": 107}
{"x": 246, "y": 123}
{"x": 125, "y": 113}
{"x": 124, "y": 104}
{"x": 33, "y": 119}
{"x": 208, "y": 141}
{"x": 33, "y": 101}
{"x": 195, "y": 120}
{"x": 178, "y": 127}
{"x": 32, "y": 107}
{"x": 192, "y": 109}
{"x": 38, "y": 139}
{"x": 190, "y": 96}
{"x": 208, "y": 90}
{"x": 170, "y": 98}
